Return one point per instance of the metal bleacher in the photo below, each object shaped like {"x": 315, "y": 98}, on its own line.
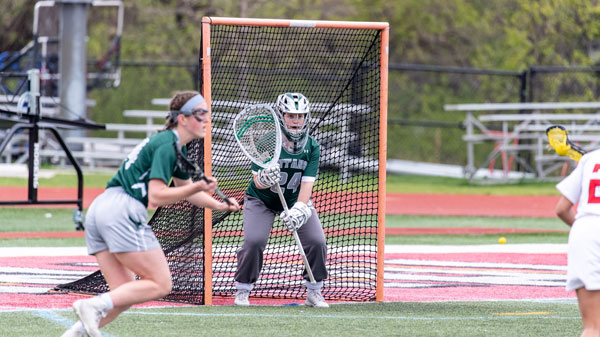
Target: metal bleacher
{"x": 334, "y": 150}
{"x": 520, "y": 136}
{"x": 110, "y": 152}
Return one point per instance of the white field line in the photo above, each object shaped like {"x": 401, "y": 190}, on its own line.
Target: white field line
{"x": 42, "y": 251}
{"x": 47, "y": 312}
{"x": 525, "y": 248}
{"x": 490, "y": 265}
{"x": 528, "y": 248}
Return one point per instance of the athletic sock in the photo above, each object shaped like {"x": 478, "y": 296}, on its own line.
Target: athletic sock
{"x": 244, "y": 286}
{"x": 79, "y": 327}
{"x": 316, "y": 286}
{"x": 107, "y": 300}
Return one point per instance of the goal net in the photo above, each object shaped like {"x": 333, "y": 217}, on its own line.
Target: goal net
{"x": 341, "y": 67}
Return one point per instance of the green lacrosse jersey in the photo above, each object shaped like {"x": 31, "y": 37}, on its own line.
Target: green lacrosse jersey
{"x": 295, "y": 168}
{"x": 153, "y": 158}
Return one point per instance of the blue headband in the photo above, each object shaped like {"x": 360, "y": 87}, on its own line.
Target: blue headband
{"x": 191, "y": 103}
{"x": 188, "y": 108}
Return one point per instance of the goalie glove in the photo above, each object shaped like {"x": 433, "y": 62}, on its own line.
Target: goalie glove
{"x": 268, "y": 176}
{"x": 296, "y": 217}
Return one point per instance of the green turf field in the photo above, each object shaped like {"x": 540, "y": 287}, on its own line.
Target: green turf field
{"x": 395, "y": 184}
{"x": 510, "y": 318}
{"x": 494, "y": 318}
{"x": 25, "y": 220}
{"x": 37, "y": 220}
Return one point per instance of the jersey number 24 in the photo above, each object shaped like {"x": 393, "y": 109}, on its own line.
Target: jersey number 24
{"x": 292, "y": 184}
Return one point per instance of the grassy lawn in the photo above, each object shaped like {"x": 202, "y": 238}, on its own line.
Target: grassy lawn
{"x": 394, "y": 184}
{"x": 491, "y": 318}
{"x": 90, "y": 179}
{"x": 38, "y": 220}
{"x": 505, "y": 318}
{"x": 41, "y": 219}
{"x": 424, "y": 184}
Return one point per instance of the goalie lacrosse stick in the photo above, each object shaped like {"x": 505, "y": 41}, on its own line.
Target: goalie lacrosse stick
{"x": 559, "y": 141}
{"x": 257, "y": 131}
{"x": 187, "y": 166}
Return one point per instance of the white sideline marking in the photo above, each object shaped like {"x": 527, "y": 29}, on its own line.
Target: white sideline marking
{"x": 527, "y": 248}
{"x": 23, "y": 290}
{"x": 491, "y": 265}
{"x": 304, "y": 315}
{"x": 42, "y": 251}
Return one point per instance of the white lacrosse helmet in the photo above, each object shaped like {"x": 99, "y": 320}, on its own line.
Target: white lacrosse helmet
{"x": 294, "y": 103}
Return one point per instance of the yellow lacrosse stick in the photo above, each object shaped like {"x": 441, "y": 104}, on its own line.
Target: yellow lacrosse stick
{"x": 559, "y": 141}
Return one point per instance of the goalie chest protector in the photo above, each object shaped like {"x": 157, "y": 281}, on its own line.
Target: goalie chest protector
{"x": 295, "y": 168}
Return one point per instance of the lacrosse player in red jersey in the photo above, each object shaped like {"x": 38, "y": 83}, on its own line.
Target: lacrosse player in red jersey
{"x": 116, "y": 229}
{"x": 295, "y": 172}
{"x": 582, "y": 186}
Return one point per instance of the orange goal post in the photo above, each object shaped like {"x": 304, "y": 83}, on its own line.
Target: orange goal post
{"x": 341, "y": 67}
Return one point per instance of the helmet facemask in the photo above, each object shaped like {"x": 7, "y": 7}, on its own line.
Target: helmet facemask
{"x": 295, "y": 132}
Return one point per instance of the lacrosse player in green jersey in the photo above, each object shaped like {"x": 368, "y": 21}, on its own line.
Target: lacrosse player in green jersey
{"x": 296, "y": 172}
{"x": 116, "y": 229}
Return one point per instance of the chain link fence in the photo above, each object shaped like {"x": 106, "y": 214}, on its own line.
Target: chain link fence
{"x": 418, "y": 127}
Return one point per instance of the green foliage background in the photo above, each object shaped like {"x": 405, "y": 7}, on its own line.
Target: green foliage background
{"x": 510, "y": 35}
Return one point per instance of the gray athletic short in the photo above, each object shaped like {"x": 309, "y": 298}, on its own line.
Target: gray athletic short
{"x": 258, "y": 221}
{"x": 117, "y": 222}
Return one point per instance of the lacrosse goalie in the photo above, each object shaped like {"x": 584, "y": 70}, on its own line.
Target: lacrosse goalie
{"x": 295, "y": 172}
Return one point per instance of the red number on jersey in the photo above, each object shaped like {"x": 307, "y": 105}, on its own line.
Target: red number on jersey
{"x": 592, "y": 197}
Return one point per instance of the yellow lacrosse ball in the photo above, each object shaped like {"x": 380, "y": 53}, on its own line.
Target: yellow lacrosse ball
{"x": 502, "y": 240}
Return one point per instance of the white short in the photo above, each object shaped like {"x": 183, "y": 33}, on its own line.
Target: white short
{"x": 116, "y": 221}
{"x": 583, "y": 254}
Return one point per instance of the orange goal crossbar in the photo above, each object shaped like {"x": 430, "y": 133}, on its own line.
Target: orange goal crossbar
{"x": 295, "y": 23}
{"x": 206, "y": 91}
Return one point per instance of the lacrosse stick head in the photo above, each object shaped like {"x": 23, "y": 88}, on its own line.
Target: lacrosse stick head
{"x": 559, "y": 141}
{"x": 257, "y": 131}
{"x": 557, "y": 137}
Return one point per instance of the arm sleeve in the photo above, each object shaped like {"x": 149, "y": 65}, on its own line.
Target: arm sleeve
{"x": 255, "y": 168}
{"x": 312, "y": 169}
{"x": 178, "y": 173}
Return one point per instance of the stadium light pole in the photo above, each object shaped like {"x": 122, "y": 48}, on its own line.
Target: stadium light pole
{"x": 73, "y": 83}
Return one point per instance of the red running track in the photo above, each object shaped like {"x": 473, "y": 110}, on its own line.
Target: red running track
{"x": 397, "y": 204}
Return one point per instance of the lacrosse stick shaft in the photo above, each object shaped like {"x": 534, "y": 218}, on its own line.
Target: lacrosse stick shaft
{"x": 219, "y": 192}
{"x": 295, "y": 232}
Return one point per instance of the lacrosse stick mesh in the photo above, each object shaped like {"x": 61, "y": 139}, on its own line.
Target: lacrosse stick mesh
{"x": 257, "y": 133}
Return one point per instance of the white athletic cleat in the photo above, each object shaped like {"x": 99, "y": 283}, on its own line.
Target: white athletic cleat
{"x": 90, "y": 312}
{"x": 74, "y": 332}
{"x": 315, "y": 299}
{"x": 241, "y": 297}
